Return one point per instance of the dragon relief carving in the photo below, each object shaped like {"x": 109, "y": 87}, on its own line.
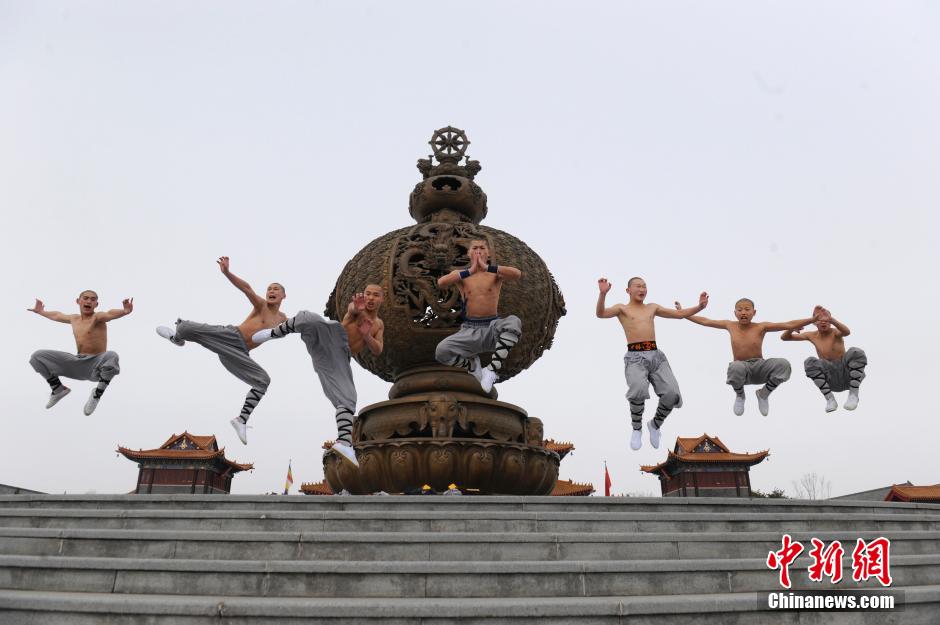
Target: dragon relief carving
{"x": 422, "y": 255}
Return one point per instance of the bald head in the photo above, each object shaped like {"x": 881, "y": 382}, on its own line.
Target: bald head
{"x": 374, "y": 295}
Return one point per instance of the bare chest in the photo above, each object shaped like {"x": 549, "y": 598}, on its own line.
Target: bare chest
{"x": 831, "y": 346}
{"x": 751, "y": 335}
{"x": 264, "y": 319}
{"x": 84, "y": 329}
{"x": 90, "y": 337}
{"x": 636, "y": 317}
{"x": 481, "y": 285}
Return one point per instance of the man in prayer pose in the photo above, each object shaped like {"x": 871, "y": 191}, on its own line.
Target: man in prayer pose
{"x": 482, "y": 330}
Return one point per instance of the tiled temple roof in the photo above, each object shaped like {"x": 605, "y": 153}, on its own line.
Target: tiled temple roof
{"x": 185, "y": 446}
{"x": 923, "y": 494}
{"x": 704, "y": 448}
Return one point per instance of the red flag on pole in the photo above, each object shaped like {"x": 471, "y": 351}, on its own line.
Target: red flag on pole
{"x": 606, "y": 481}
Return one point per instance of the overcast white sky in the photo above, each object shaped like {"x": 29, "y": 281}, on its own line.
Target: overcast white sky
{"x": 786, "y": 152}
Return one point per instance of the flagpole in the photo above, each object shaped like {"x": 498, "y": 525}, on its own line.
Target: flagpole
{"x": 290, "y": 478}
{"x": 607, "y": 481}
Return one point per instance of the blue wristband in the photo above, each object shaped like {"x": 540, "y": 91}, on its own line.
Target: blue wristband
{"x": 464, "y": 274}
{"x": 492, "y": 268}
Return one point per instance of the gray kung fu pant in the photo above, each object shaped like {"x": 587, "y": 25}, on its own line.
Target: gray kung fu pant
{"x": 328, "y": 346}
{"x": 94, "y": 367}
{"x": 771, "y": 372}
{"x": 477, "y": 336}
{"x": 227, "y": 343}
{"x": 642, "y": 368}
{"x": 837, "y": 375}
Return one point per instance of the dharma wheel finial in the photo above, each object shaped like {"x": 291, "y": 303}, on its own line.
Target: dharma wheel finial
{"x": 448, "y": 192}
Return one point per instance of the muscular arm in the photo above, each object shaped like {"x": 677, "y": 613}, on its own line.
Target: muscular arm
{"x": 772, "y": 326}
{"x": 54, "y": 315}
{"x": 375, "y": 343}
{"x": 709, "y": 323}
{"x": 351, "y": 315}
{"x": 682, "y": 313}
{"x": 448, "y": 279}
{"x": 793, "y": 334}
{"x": 841, "y": 327}
{"x": 477, "y": 264}
{"x": 117, "y": 313}
{"x": 508, "y": 273}
{"x": 355, "y": 309}
{"x": 256, "y": 300}
{"x": 601, "y": 311}
{"x": 606, "y": 313}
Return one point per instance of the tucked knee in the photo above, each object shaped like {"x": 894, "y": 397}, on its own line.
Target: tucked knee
{"x": 669, "y": 399}
{"x": 442, "y": 354}
{"x": 736, "y": 374}
{"x": 784, "y": 370}
{"x": 306, "y": 319}
{"x": 857, "y": 355}
{"x": 110, "y": 366}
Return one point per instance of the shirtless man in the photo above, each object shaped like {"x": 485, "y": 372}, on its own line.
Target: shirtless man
{"x": 643, "y": 362}
{"x": 482, "y": 329}
{"x": 93, "y": 361}
{"x": 749, "y": 366}
{"x": 836, "y": 369}
{"x": 232, "y": 344}
{"x": 330, "y": 345}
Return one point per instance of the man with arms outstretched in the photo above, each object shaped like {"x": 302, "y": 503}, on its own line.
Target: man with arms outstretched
{"x": 644, "y": 363}
{"x": 331, "y": 344}
{"x": 836, "y": 369}
{"x": 482, "y": 329}
{"x": 232, "y": 343}
{"x": 749, "y": 365}
{"x": 93, "y": 361}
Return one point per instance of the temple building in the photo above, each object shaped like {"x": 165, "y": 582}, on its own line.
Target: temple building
{"x": 915, "y": 494}
{"x": 705, "y": 467}
{"x": 185, "y": 463}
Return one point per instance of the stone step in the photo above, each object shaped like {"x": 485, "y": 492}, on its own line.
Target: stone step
{"x": 288, "y": 578}
{"x": 921, "y": 607}
{"x": 421, "y": 546}
{"x": 507, "y": 503}
{"x": 468, "y": 520}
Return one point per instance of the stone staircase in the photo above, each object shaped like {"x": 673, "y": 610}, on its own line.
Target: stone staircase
{"x": 162, "y": 559}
